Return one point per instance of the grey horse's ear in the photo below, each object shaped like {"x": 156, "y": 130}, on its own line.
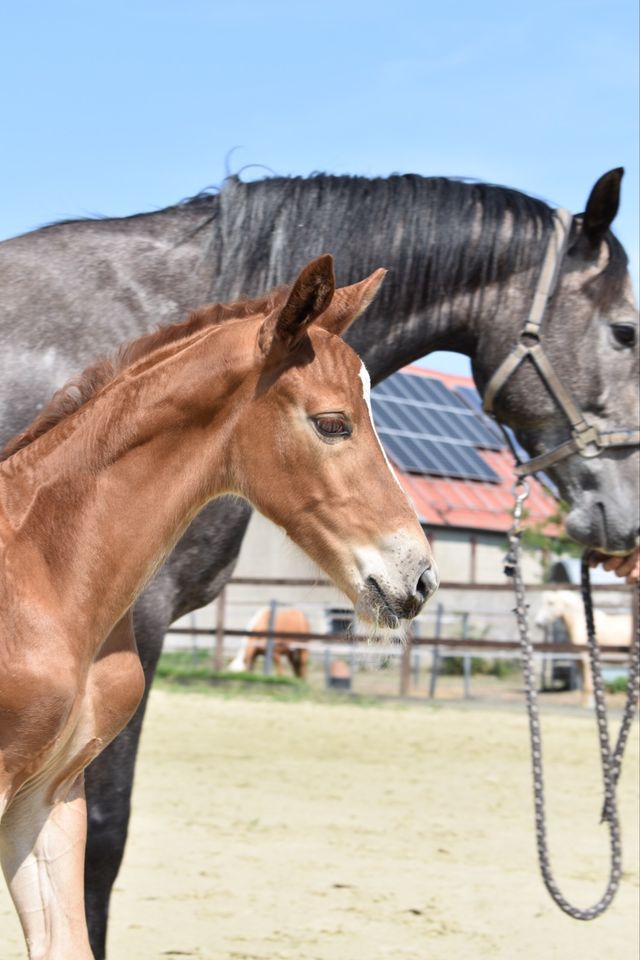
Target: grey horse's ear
{"x": 602, "y": 206}
{"x": 310, "y": 295}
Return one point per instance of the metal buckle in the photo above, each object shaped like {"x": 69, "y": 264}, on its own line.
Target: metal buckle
{"x": 588, "y": 441}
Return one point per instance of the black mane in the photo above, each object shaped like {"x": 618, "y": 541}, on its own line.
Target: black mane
{"x": 418, "y": 227}
{"x": 290, "y": 219}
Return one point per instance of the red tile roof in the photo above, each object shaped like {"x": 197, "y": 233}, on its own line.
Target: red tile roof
{"x": 472, "y": 504}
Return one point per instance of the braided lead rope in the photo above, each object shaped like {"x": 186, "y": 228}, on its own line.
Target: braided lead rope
{"x": 633, "y": 683}
{"x": 610, "y": 764}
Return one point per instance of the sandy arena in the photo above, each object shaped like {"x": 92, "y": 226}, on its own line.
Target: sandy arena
{"x": 265, "y": 830}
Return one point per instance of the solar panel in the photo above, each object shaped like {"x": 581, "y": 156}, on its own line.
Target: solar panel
{"x": 427, "y": 428}
{"x": 473, "y": 399}
{"x": 431, "y": 422}
{"x": 424, "y": 399}
{"x": 438, "y": 458}
{"x": 471, "y": 395}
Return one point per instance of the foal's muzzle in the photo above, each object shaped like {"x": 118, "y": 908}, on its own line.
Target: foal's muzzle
{"x": 390, "y": 606}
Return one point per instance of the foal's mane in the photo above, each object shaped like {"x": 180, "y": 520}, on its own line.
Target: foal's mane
{"x": 81, "y": 388}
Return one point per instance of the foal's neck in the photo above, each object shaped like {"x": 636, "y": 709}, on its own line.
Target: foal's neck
{"x": 102, "y": 498}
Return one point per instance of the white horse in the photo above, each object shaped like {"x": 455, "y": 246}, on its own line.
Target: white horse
{"x": 611, "y": 629}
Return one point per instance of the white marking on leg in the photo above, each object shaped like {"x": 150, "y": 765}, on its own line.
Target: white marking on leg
{"x": 239, "y": 664}
{"x": 42, "y": 851}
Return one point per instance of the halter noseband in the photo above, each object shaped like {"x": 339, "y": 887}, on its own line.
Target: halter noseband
{"x": 586, "y": 439}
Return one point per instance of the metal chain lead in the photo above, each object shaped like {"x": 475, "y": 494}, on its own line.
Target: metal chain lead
{"x": 611, "y": 764}
{"x": 633, "y": 684}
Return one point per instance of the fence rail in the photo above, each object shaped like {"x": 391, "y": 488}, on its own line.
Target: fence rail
{"x": 444, "y": 585}
{"x": 441, "y": 646}
{"x": 345, "y": 639}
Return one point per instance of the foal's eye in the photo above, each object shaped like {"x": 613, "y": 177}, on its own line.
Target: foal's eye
{"x": 332, "y": 426}
{"x": 625, "y": 334}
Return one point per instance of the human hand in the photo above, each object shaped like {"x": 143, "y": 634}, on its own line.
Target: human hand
{"x": 628, "y": 566}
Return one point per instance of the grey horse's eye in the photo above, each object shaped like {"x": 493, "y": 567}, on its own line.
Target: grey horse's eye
{"x": 625, "y": 334}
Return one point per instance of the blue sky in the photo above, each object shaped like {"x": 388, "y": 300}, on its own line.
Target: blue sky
{"x": 118, "y": 107}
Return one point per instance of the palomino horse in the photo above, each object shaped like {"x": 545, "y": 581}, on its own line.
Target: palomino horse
{"x": 270, "y": 405}
{"x": 464, "y": 260}
{"x": 611, "y": 629}
{"x": 279, "y": 622}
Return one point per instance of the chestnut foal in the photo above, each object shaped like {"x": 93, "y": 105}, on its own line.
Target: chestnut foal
{"x": 271, "y": 405}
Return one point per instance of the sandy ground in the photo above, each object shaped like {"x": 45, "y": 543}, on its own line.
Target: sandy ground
{"x": 265, "y": 830}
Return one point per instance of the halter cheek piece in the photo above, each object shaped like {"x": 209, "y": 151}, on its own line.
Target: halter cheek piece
{"x": 586, "y": 439}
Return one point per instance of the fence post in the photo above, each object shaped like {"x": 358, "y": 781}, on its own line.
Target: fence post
{"x": 435, "y": 655}
{"x": 466, "y": 659}
{"x": 194, "y": 641}
{"x": 268, "y": 654}
{"x": 415, "y": 669}
{"x": 218, "y": 653}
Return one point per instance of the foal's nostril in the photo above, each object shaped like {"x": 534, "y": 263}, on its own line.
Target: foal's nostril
{"x": 427, "y": 584}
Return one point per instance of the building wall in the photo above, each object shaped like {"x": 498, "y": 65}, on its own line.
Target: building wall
{"x": 478, "y": 556}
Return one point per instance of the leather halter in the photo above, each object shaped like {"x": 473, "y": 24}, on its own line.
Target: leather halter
{"x": 586, "y": 439}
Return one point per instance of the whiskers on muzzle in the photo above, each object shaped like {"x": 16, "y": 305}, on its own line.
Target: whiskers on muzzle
{"x": 382, "y": 644}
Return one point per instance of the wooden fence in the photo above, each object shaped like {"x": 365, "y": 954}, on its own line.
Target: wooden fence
{"x": 440, "y": 646}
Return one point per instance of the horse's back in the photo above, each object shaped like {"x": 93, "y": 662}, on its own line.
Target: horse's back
{"x": 72, "y": 293}
{"x": 613, "y": 629}
{"x": 280, "y": 621}
{"x": 291, "y": 620}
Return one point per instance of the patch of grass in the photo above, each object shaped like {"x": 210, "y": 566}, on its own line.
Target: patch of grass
{"x": 192, "y": 672}
{"x": 617, "y": 685}
{"x": 181, "y": 667}
{"x": 501, "y": 667}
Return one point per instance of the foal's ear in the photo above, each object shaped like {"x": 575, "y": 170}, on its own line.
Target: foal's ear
{"x": 602, "y": 206}
{"x": 310, "y": 295}
{"x": 349, "y": 302}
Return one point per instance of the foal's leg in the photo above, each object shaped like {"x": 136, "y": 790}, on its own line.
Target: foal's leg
{"x": 42, "y": 839}
{"x": 109, "y": 784}
{"x": 109, "y": 778}
{"x": 43, "y": 831}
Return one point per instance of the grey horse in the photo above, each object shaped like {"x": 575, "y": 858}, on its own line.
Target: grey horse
{"x": 463, "y": 262}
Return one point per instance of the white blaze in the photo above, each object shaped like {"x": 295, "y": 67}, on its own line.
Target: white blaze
{"x": 366, "y": 393}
